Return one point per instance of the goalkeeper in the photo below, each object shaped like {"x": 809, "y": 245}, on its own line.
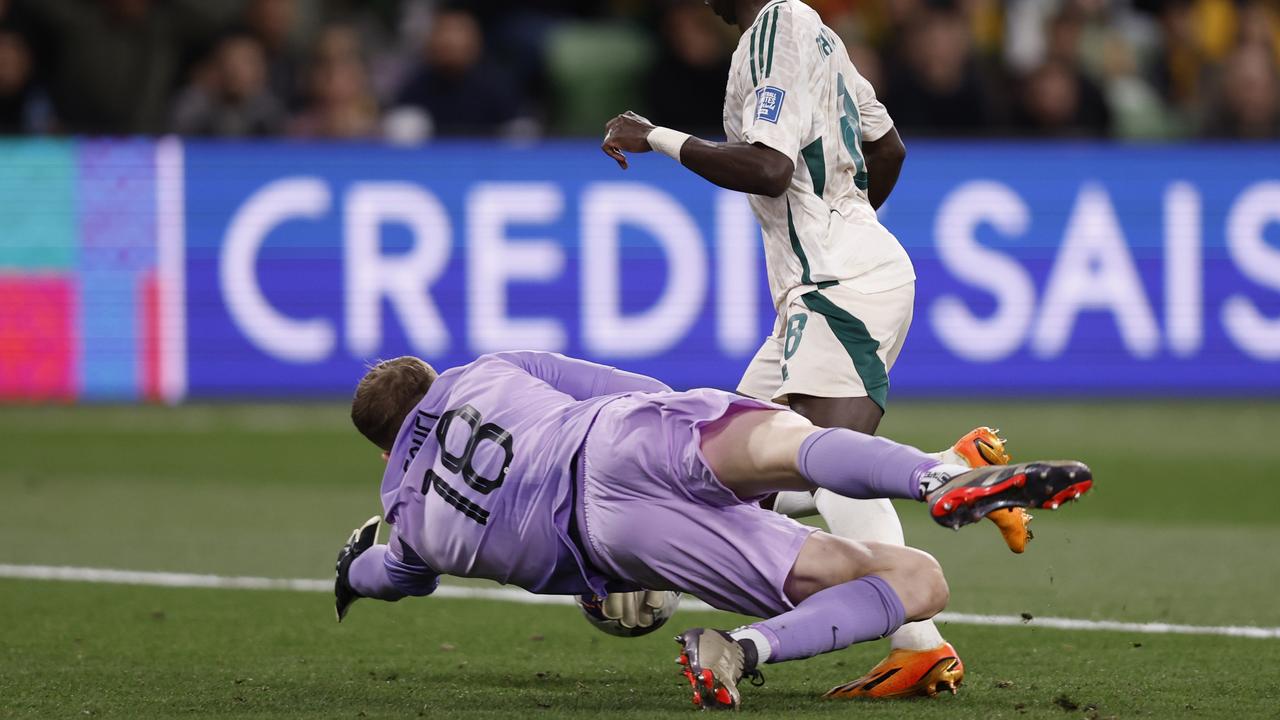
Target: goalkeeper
{"x": 566, "y": 477}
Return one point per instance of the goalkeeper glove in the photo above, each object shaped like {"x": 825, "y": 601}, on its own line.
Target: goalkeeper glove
{"x": 633, "y": 609}
{"x": 362, "y": 538}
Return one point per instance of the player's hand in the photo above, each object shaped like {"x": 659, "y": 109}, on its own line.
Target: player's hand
{"x": 633, "y": 609}
{"x": 626, "y": 133}
{"x": 362, "y": 538}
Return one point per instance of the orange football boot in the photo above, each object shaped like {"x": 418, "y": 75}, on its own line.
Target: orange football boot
{"x": 907, "y": 673}
{"x": 981, "y": 447}
{"x": 910, "y": 673}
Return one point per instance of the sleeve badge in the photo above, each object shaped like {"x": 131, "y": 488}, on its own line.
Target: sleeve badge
{"x": 769, "y": 103}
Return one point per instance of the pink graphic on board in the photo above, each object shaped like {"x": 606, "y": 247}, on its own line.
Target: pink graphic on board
{"x": 37, "y": 330}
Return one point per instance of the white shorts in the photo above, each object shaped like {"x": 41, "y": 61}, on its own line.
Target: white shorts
{"x": 834, "y": 342}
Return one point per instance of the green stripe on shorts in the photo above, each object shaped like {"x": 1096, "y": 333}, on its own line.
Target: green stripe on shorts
{"x": 862, "y": 348}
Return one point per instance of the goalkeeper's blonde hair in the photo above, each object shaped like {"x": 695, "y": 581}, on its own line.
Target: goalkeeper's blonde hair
{"x": 386, "y": 395}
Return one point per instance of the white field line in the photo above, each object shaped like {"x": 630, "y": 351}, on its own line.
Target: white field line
{"x": 505, "y": 594}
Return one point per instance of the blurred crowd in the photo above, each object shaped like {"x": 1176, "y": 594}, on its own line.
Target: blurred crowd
{"x": 412, "y": 70}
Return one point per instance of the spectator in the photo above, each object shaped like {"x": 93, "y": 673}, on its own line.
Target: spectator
{"x": 459, "y": 89}
{"x": 1057, "y": 101}
{"x": 1180, "y": 72}
{"x": 272, "y": 23}
{"x": 1137, "y": 110}
{"x": 1248, "y": 103}
{"x": 1259, "y": 24}
{"x": 936, "y": 86}
{"x": 114, "y": 64}
{"x": 687, "y": 84}
{"x": 341, "y": 102}
{"x": 232, "y": 98}
{"x": 15, "y": 83}
{"x": 1091, "y": 68}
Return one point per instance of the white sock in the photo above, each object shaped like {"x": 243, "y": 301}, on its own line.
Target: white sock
{"x": 763, "y": 648}
{"x": 949, "y": 457}
{"x": 876, "y": 521}
{"x": 795, "y": 504}
{"x": 936, "y": 477}
{"x": 921, "y": 635}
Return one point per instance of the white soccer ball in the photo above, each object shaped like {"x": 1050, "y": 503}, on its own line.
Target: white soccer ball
{"x": 593, "y": 610}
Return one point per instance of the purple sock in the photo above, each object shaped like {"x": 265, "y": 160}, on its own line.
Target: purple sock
{"x": 831, "y": 619}
{"x": 862, "y": 466}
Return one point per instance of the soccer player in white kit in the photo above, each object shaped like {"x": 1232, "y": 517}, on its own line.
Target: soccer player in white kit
{"x": 817, "y": 154}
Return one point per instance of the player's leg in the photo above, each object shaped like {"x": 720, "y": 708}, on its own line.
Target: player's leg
{"x": 979, "y": 447}
{"x": 815, "y": 362}
{"x": 647, "y": 529}
{"x": 671, "y": 475}
{"x": 827, "y": 560}
{"x": 753, "y": 452}
{"x": 855, "y": 413}
{"x": 920, "y": 661}
{"x": 847, "y": 592}
{"x": 888, "y": 317}
{"x": 852, "y": 343}
{"x": 875, "y": 520}
{"x": 663, "y": 506}
{"x": 844, "y": 592}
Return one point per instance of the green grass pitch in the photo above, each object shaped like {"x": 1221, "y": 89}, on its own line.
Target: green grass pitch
{"x": 1181, "y": 528}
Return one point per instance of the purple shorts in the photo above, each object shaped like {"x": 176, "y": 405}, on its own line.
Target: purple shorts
{"x": 654, "y": 514}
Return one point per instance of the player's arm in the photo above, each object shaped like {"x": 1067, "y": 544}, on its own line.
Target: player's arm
{"x": 388, "y": 572}
{"x": 884, "y": 162}
{"x": 776, "y": 116}
{"x": 752, "y": 168}
{"x": 580, "y": 379}
{"x": 882, "y": 147}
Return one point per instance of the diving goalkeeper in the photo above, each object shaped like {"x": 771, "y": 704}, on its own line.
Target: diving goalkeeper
{"x": 566, "y": 477}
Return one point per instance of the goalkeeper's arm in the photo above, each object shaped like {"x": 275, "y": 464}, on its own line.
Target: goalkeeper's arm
{"x": 383, "y": 572}
{"x": 580, "y": 379}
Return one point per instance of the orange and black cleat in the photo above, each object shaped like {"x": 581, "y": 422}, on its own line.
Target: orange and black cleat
{"x": 907, "y": 673}
{"x": 982, "y": 447}
{"x": 968, "y": 497}
{"x": 713, "y": 664}
{"x": 1014, "y": 524}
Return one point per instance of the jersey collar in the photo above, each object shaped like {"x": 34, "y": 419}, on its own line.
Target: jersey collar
{"x": 769, "y": 6}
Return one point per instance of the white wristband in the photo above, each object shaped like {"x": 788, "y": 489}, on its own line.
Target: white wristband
{"x": 667, "y": 141}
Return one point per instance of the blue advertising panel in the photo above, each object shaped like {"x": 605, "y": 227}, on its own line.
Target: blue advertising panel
{"x": 1043, "y": 269}
{"x": 1092, "y": 269}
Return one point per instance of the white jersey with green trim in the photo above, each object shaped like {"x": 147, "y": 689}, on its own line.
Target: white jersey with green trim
{"x": 793, "y": 88}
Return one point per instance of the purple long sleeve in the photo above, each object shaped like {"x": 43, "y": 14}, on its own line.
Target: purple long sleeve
{"x": 581, "y": 379}
{"x": 384, "y": 574}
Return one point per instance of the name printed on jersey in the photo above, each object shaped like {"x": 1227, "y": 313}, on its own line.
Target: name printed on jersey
{"x": 769, "y": 103}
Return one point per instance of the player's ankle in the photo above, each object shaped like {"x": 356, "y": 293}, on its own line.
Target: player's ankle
{"x": 931, "y": 478}
{"x": 756, "y": 649}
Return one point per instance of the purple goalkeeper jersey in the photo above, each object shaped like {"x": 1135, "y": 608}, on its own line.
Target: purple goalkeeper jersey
{"x": 480, "y": 481}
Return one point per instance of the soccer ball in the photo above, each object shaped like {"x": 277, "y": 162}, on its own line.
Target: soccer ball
{"x": 593, "y": 610}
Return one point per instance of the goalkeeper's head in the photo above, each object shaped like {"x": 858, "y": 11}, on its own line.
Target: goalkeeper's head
{"x": 386, "y": 395}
